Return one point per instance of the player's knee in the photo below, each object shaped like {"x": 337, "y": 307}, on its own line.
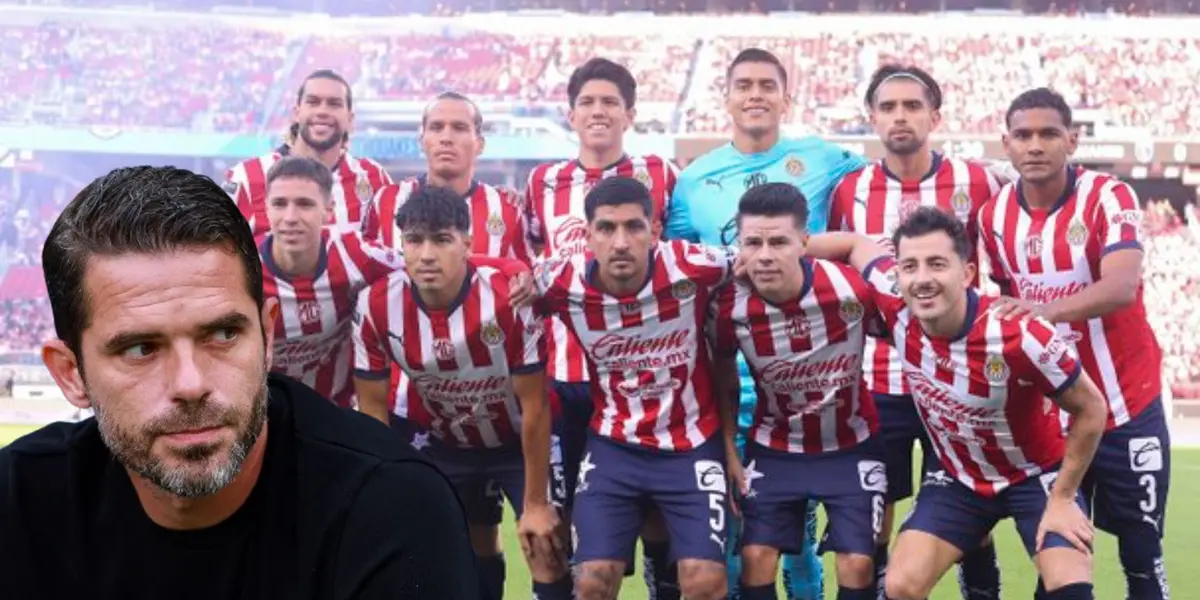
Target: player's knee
{"x": 702, "y": 579}
{"x": 485, "y": 540}
{"x": 1059, "y": 567}
{"x": 906, "y": 584}
{"x": 599, "y": 580}
{"x": 759, "y": 564}
{"x": 855, "y": 571}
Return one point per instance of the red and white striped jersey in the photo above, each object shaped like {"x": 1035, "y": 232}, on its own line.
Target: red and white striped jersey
{"x": 1045, "y": 255}
{"x": 873, "y": 202}
{"x": 806, "y": 357}
{"x": 557, "y": 222}
{"x": 313, "y": 330}
{"x": 497, "y": 219}
{"x": 651, "y": 370}
{"x": 459, "y": 361}
{"x": 982, "y": 394}
{"x": 355, "y": 182}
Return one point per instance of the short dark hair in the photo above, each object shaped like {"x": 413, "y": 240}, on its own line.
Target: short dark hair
{"x": 933, "y": 91}
{"x": 927, "y": 220}
{"x": 302, "y": 167}
{"x": 616, "y": 191}
{"x": 139, "y": 210}
{"x": 478, "y": 115}
{"x": 774, "y": 200}
{"x": 606, "y": 70}
{"x": 434, "y": 208}
{"x": 331, "y": 75}
{"x": 756, "y": 55}
{"x": 1039, "y": 98}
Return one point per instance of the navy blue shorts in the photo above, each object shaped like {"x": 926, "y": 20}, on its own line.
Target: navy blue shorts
{"x": 569, "y": 435}
{"x": 618, "y": 484}
{"x": 899, "y": 427}
{"x": 1127, "y": 483}
{"x": 482, "y": 478}
{"x": 949, "y": 510}
{"x": 850, "y": 483}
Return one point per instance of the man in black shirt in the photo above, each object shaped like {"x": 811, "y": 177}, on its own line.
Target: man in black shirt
{"x": 200, "y": 476}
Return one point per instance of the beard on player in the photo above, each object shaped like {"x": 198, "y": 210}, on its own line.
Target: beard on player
{"x": 323, "y": 115}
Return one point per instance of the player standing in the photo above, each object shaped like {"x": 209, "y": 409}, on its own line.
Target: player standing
{"x": 638, "y": 307}
{"x": 905, "y": 104}
{"x": 1067, "y": 243}
{"x": 476, "y": 364}
{"x": 800, "y": 323}
{"x": 757, "y": 97}
{"x": 601, "y": 96}
{"x": 322, "y": 120}
{"x": 980, "y": 381}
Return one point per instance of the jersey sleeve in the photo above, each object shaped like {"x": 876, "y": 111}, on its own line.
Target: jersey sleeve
{"x": 548, "y": 276}
{"x": 721, "y": 329}
{"x": 670, "y": 182}
{"x": 237, "y": 185}
{"x": 989, "y": 257}
{"x": 1049, "y": 361}
{"x": 526, "y": 344}
{"x": 373, "y": 260}
{"x": 522, "y": 244}
{"x": 679, "y": 219}
{"x": 372, "y": 359}
{"x": 1119, "y": 218}
{"x": 372, "y": 223}
{"x": 705, "y": 265}
{"x": 841, "y": 205}
{"x": 884, "y": 290}
{"x": 535, "y": 228}
{"x": 841, "y": 163}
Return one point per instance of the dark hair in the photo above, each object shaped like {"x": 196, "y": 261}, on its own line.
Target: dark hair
{"x": 615, "y": 191}
{"x": 933, "y": 91}
{"x": 331, "y": 75}
{"x": 478, "y": 116}
{"x": 1040, "y": 98}
{"x": 433, "y": 208}
{"x": 302, "y": 167}
{"x": 927, "y": 220}
{"x": 606, "y": 70}
{"x": 774, "y": 200}
{"x": 756, "y": 55}
{"x": 139, "y": 210}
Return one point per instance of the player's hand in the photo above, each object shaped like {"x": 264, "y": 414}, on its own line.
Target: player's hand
{"x": 1065, "y": 517}
{"x": 521, "y": 291}
{"x": 538, "y": 531}
{"x": 1015, "y": 309}
{"x": 737, "y": 484}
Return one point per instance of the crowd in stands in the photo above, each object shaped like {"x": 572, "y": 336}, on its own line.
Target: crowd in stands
{"x": 218, "y": 77}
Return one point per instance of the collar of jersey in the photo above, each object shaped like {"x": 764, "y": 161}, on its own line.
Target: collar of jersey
{"x": 269, "y": 259}
{"x": 1072, "y": 177}
{"x": 591, "y": 276}
{"x": 806, "y": 266}
{"x": 458, "y": 300}
{"x": 934, "y": 165}
{"x": 624, "y": 157}
{"x": 972, "y": 314}
{"x": 422, "y": 180}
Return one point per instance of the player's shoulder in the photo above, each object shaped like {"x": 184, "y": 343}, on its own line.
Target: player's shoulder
{"x": 543, "y": 171}
{"x": 1094, "y": 187}
{"x": 716, "y": 159}
{"x": 837, "y": 272}
{"x": 364, "y": 163}
{"x": 815, "y": 146}
{"x": 1006, "y": 195}
{"x": 242, "y": 171}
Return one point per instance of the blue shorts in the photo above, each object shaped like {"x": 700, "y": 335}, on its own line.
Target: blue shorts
{"x": 949, "y": 510}
{"x": 618, "y": 483}
{"x": 850, "y": 483}
{"x": 899, "y": 427}
{"x": 482, "y": 478}
{"x": 570, "y": 431}
{"x": 1127, "y": 483}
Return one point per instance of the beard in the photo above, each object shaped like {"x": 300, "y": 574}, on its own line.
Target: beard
{"x": 199, "y": 470}
{"x": 335, "y": 138}
{"x": 907, "y": 148}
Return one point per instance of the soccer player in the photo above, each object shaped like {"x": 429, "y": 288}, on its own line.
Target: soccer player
{"x": 638, "y": 308}
{"x": 757, "y": 97}
{"x": 1066, "y": 243}
{"x": 800, "y": 323}
{"x": 905, "y": 104}
{"x": 601, "y": 96}
{"x": 322, "y": 120}
{"x": 476, "y": 364}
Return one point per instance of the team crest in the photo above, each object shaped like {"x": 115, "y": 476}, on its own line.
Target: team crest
{"x": 643, "y": 178}
{"x": 794, "y": 166}
{"x": 995, "y": 368}
{"x": 364, "y": 188}
{"x": 1077, "y": 233}
{"x": 797, "y": 328}
{"x": 443, "y": 349}
{"x": 495, "y": 225}
{"x": 851, "y": 311}
{"x": 683, "y": 290}
{"x": 309, "y": 312}
{"x": 961, "y": 203}
{"x": 491, "y": 334}
{"x": 1033, "y": 245}
{"x": 909, "y": 203}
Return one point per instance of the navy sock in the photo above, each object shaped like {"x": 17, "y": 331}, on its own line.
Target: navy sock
{"x": 491, "y": 572}
{"x": 1145, "y": 573}
{"x": 845, "y": 593}
{"x": 1039, "y": 593}
{"x": 563, "y": 589}
{"x": 979, "y": 574}
{"x": 759, "y": 592}
{"x": 662, "y": 579}
{"x": 881, "y": 562}
{"x": 1075, "y": 591}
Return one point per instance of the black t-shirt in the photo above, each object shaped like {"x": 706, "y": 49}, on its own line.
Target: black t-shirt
{"x": 342, "y": 510}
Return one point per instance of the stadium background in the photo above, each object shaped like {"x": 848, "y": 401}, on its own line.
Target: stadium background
{"x": 88, "y": 86}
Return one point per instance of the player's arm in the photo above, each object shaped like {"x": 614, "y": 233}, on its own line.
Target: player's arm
{"x": 372, "y": 360}
{"x": 535, "y": 230}
{"x": 405, "y": 536}
{"x": 722, "y": 335}
{"x": 854, "y": 249}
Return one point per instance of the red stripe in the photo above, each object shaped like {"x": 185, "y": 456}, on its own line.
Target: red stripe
{"x": 836, "y": 328}
{"x": 1012, "y": 210}
{"x": 256, "y": 197}
{"x": 944, "y": 186}
{"x": 1062, "y": 247}
{"x": 760, "y": 326}
{"x": 472, "y": 315}
{"x": 844, "y": 410}
{"x": 977, "y": 355}
{"x": 877, "y": 200}
{"x": 563, "y": 188}
{"x": 811, "y": 424}
{"x": 1125, "y": 201}
{"x": 841, "y": 207}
